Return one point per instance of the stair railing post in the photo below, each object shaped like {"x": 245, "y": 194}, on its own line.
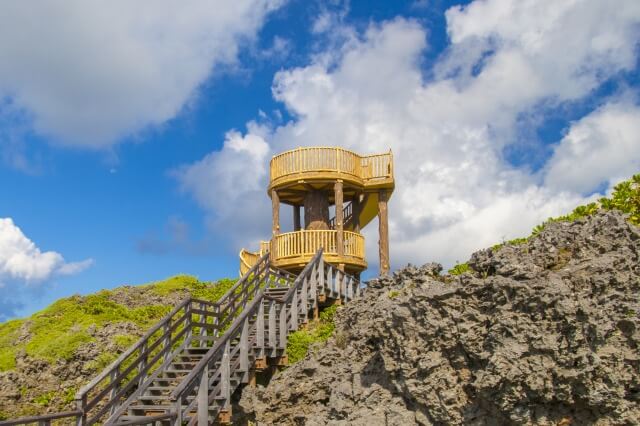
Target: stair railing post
{"x": 178, "y": 409}
{"x": 272, "y": 327}
{"x": 189, "y": 322}
{"x": 203, "y": 397}
{"x": 303, "y": 297}
{"x": 216, "y": 321}
{"x": 203, "y": 320}
{"x": 244, "y": 349}
{"x": 114, "y": 389}
{"x": 283, "y": 326}
{"x": 143, "y": 363}
{"x": 225, "y": 376}
{"x": 260, "y": 330}
{"x": 322, "y": 275}
{"x": 294, "y": 310}
{"x": 166, "y": 346}
{"x": 81, "y": 404}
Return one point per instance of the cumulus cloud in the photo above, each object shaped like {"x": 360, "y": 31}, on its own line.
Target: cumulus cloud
{"x": 21, "y": 260}
{"x": 455, "y": 192}
{"x": 23, "y": 266}
{"x": 89, "y": 73}
{"x": 602, "y": 148}
{"x": 229, "y": 184}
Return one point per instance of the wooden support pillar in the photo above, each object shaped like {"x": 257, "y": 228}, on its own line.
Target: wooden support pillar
{"x": 355, "y": 211}
{"x": 383, "y": 220}
{"x": 296, "y": 218}
{"x": 339, "y": 218}
{"x": 275, "y": 224}
{"x": 275, "y": 206}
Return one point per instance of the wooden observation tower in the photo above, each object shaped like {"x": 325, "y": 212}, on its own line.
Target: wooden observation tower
{"x": 316, "y": 181}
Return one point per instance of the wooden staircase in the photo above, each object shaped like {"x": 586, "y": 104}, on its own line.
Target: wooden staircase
{"x": 187, "y": 367}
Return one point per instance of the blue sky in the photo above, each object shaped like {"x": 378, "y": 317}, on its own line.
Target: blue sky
{"x": 135, "y": 148}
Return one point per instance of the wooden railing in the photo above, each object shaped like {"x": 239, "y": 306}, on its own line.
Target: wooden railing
{"x": 347, "y": 214}
{"x": 70, "y": 417}
{"x": 109, "y": 393}
{"x": 331, "y": 159}
{"x": 308, "y": 242}
{"x": 379, "y": 166}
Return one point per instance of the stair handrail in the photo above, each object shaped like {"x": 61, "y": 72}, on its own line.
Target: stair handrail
{"x": 228, "y": 306}
{"x": 240, "y": 325}
{"x": 113, "y": 371}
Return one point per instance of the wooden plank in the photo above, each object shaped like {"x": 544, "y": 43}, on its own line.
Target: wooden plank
{"x": 383, "y": 220}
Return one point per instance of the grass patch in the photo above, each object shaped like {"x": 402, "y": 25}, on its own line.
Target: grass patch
{"x": 459, "y": 269}
{"x": 57, "y": 331}
{"x": 300, "y": 341}
{"x": 8, "y": 335}
{"x": 197, "y": 288}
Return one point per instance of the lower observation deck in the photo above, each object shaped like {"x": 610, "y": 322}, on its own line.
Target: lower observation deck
{"x": 293, "y": 250}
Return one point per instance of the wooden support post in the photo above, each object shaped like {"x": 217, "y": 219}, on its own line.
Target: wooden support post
{"x": 355, "y": 212}
{"x": 383, "y": 219}
{"x": 225, "y": 377}
{"x": 273, "y": 343}
{"x": 282, "y": 343}
{"x": 296, "y": 218}
{"x": 275, "y": 224}
{"x": 203, "y": 397}
{"x": 244, "y": 350}
{"x": 260, "y": 331}
{"x": 339, "y": 218}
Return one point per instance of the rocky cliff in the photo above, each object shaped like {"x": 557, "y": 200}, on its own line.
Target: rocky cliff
{"x": 541, "y": 332}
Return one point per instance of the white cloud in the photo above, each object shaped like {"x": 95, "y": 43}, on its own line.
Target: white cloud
{"x": 88, "y": 73}
{"x": 455, "y": 192}
{"x": 23, "y": 262}
{"x": 603, "y": 147}
{"x": 232, "y": 184}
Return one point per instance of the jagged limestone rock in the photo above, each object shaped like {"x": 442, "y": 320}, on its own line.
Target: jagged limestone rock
{"x": 544, "y": 332}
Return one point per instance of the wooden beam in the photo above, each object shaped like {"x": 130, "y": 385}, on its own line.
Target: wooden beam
{"x": 296, "y": 218}
{"x": 383, "y": 227}
{"x": 355, "y": 209}
{"x": 275, "y": 206}
{"x": 339, "y": 217}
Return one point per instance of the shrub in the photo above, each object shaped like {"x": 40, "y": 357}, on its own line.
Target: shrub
{"x": 459, "y": 269}
{"x": 300, "y": 341}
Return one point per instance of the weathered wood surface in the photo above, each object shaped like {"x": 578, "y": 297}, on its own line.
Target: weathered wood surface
{"x": 383, "y": 224}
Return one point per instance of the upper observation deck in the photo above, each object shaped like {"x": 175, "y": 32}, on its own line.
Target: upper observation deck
{"x": 300, "y": 167}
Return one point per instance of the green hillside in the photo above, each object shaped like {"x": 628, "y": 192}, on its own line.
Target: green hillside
{"x": 86, "y": 332}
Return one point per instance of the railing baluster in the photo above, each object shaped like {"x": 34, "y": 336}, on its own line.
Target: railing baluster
{"x": 260, "y": 331}
{"x": 304, "y": 295}
{"x": 225, "y": 376}
{"x": 294, "y": 311}
{"x": 282, "y": 344}
{"x": 143, "y": 363}
{"x": 114, "y": 390}
{"x": 272, "y": 326}
{"x": 203, "y": 397}
{"x": 244, "y": 349}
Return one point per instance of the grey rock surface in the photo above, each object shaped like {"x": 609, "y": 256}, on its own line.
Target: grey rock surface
{"x": 544, "y": 333}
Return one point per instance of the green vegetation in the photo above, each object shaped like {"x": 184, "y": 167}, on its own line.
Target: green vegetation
{"x": 8, "y": 335}
{"x": 393, "y": 294}
{"x": 44, "y": 399}
{"x": 57, "y": 331}
{"x": 459, "y": 269}
{"x": 300, "y": 341}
